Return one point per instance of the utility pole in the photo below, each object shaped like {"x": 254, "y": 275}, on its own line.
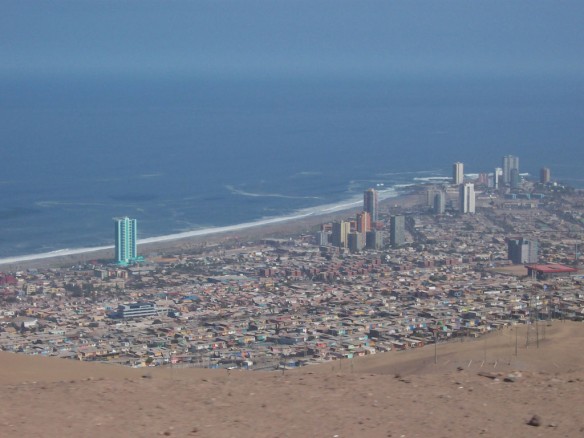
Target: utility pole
{"x": 435, "y": 347}
{"x": 529, "y": 320}
{"x": 516, "y": 338}
{"x": 536, "y": 323}
{"x": 536, "y": 332}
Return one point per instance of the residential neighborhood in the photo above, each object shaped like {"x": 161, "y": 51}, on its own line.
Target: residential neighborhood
{"x": 283, "y": 302}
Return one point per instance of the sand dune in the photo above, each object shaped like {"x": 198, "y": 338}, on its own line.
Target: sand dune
{"x": 401, "y": 394}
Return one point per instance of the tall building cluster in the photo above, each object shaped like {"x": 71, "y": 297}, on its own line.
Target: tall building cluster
{"x": 364, "y": 231}
{"x": 466, "y": 193}
{"x": 347, "y": 234}
{"x": 356, "y": 234}
{"x": 504, "y": 178}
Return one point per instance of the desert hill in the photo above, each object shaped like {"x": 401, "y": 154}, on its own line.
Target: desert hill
{"x": 476, "y": 388}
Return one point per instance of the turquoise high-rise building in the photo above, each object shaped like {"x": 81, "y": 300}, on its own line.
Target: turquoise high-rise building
{"x": 126, "y": 240}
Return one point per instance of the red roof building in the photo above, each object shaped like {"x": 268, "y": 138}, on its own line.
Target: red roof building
{"x": 550, "y": 270}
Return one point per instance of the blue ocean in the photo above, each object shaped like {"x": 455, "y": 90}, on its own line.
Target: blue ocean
{"x": 186, "y": 154}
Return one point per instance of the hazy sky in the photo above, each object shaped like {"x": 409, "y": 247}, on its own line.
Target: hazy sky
{"x": 296, "y": 38}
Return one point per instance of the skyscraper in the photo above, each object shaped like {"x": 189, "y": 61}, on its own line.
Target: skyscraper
{"x": 126, "y": 240}
{"x": 397, "y": 229}
{"x": 439, "y": 203}
{"x": 509, "y": 162}
{"x": 497, "y": 177}
{"x": 515, "y": 179}
{"x": 430, "y": 195}
{"x": 467, "y": 198}
{"x": 457, "y": 173}
{"x": 370, "y": 204}
{"x": 363, "y": 222}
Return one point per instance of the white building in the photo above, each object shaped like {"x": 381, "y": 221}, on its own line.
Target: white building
{"x": 497, "y": 177}
{"x": 457, "y": 173}
{"x": 467, "y": 198}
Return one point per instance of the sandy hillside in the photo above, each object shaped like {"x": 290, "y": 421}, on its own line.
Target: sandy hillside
{"x": 398, "y": 394}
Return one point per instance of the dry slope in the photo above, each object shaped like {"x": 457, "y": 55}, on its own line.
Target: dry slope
{"x": 391, "y": 395}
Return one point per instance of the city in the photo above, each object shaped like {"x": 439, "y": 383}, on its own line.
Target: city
{"x": 451, "y": 260}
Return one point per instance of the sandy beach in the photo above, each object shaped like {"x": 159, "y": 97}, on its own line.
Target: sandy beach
{"x": 224, "y": 235}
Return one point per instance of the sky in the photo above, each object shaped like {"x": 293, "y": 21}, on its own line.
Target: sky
{"x": 292, "y": 38}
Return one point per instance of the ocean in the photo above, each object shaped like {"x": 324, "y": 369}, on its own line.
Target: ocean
{"x": 192, "y": 154}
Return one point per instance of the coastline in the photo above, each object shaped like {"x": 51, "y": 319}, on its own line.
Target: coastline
{"x": 284, "y": 226}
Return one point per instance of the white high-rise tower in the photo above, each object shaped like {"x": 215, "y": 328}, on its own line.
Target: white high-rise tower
{"x": 467, "y": 198}
{"x": 457, "y": 173}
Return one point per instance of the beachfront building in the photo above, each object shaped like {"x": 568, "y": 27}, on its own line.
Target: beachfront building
{"x": 370, "y": 204}
{"x": 125, "y": 234}
{"x": 457, "y": 173}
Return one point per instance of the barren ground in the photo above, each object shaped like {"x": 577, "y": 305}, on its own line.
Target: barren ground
{"x": 397, "y": 394}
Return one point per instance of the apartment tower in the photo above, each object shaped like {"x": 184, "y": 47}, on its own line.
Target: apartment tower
{"x": 457, "y": 173}
{"x": 397, "y": 229}
{"x": 467, "y": 198}
{"x": 370, "y": 204}
{"x": 125, "y": 235}
{"x": 510, "y": 162}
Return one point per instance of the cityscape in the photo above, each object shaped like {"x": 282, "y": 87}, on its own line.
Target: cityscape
{"x": 262, "y": 219}
{"x": 447, "y": 260}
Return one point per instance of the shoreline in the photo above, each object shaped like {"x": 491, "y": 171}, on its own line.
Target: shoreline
{"x": 278, "y": 226}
